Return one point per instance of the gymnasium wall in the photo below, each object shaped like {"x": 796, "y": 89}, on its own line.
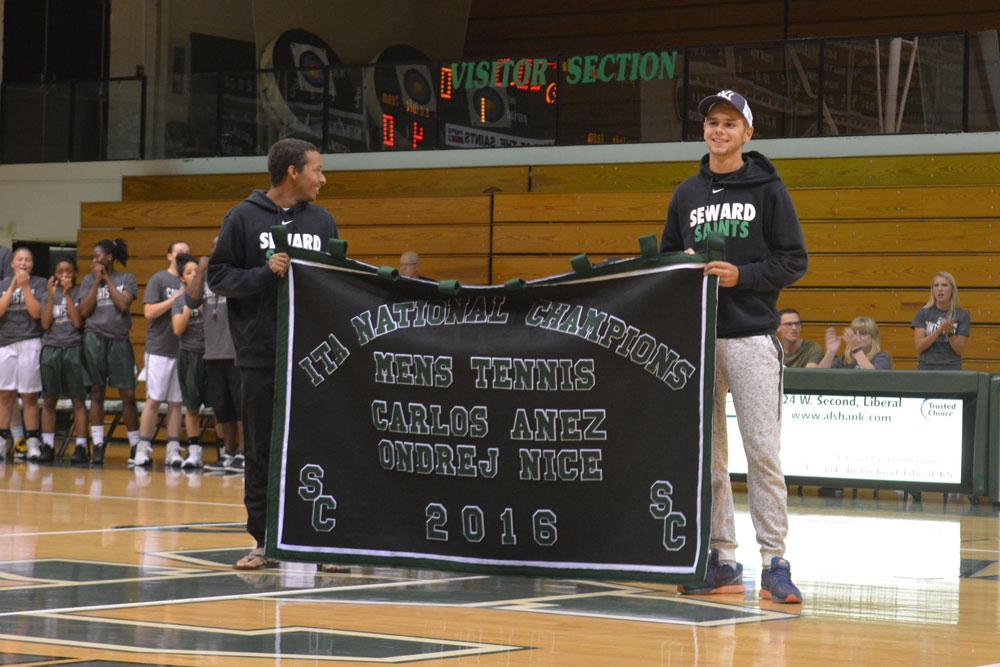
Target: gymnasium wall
{"x": 41, "y": 202}
{"x": 877, "y": 228}
{"x": 527, "y": 27}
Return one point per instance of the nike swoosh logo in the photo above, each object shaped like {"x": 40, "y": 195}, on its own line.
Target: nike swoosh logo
{"x": 715, "y": 192}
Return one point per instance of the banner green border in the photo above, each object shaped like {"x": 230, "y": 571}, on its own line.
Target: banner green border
{"x": 992, "y": 466}
{"x": 604, "y": 269}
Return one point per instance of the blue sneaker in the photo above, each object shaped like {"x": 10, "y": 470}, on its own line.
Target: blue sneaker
{"x": 776, "y": 583}
{"x": 719, "y": 578}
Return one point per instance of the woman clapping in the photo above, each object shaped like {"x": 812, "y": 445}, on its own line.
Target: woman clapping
{"x": 862, "y": 347}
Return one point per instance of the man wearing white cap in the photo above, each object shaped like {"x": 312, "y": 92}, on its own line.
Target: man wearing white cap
{"x": 740, "y": 196}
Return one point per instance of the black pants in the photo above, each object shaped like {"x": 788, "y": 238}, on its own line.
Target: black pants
{"x": 258, "y": 402}
{"x": 223, "y": 390}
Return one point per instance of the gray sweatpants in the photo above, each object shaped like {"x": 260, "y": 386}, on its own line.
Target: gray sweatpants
{"x": 751, "y": 369}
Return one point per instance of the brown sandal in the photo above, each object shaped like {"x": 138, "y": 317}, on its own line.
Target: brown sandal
{"x": 255, "y": 560}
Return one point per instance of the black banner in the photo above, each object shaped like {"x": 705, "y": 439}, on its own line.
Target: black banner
{"x": 560, "y": 427}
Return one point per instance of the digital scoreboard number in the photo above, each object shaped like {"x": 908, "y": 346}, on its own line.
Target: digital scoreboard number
{"x": 505, "y": 102}
{"x": 498, "y": 103}
{"x": 402, "y": 100}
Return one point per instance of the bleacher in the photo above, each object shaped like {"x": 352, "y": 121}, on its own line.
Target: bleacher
{"x": 877, "y": 228}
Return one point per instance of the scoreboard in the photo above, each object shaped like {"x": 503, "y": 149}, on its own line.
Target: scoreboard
{"x": 403, "y": 101}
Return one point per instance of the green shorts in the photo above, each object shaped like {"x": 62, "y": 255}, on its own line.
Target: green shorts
{"x": 191, "y": 374}
{"x": 110, "y": 363}
{"x": 63, "y": 372}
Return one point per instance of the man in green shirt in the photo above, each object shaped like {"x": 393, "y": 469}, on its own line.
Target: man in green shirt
{"x": 798, "y": 353}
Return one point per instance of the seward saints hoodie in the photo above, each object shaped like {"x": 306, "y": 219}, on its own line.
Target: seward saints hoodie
{"x": 238, "y": 269}
{"x": 751, "y": 209}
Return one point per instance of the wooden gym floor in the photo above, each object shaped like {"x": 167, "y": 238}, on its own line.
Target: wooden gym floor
{"x": 114, "y": 567}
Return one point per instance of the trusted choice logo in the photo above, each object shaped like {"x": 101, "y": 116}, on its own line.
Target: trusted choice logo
{"x": 932, "y": 408}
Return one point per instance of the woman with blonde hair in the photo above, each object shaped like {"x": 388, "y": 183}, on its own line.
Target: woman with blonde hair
{"x": 941, "y": 328}
{"x": 862, "y": 347}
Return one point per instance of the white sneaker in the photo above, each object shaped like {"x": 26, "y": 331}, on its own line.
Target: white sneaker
{"x": 174, "y": 458}
{"x": 193, "y": 459}
{"x": 34, "y": 449}
{"x": 143, "y": 454}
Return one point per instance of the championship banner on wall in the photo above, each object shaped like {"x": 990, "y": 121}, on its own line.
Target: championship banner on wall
{"x": 560, "y": 427}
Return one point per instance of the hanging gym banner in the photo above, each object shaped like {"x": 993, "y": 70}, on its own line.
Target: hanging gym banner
{"x": 560, "y": 427}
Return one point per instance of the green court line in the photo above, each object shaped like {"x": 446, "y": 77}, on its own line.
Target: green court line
{"x": 116, "y": 529}
{"x": 293, "y": 642}
{"x": 132, "y": 499}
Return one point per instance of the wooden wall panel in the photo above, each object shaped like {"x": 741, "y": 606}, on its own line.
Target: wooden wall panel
{"x": 624, "y": 177}
{"x": 892, "y": 170}
{"x": 359, "y": 211}
{"x": 895, "y": 203}
{"x": 581, "y": 207}
{"x": 965, "y": 169}
{"x": 884, "y": 305}
{"x": 902, "y": 236}
{"x": 531, "y": 267}
{"x": 410, "y": 210}
{"x": 178, "y": 215}
{"x": 611, "y": 237}
{"x": 427, "y": 240}
{"x": 895, "y": 271}
{"x": 380, "y": 183}
{"x": 230, "y": 187}
{"x": 858, "y": 203}
{"x": 965, "y": 236}
{"x": 877, "y": 230}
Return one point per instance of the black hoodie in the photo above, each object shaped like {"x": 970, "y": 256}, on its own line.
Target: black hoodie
{"x": 752, "y": 210}
{"x": 238, "y": 269}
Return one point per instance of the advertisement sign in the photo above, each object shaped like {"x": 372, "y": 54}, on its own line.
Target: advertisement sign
{"x": 864, "y": 437}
